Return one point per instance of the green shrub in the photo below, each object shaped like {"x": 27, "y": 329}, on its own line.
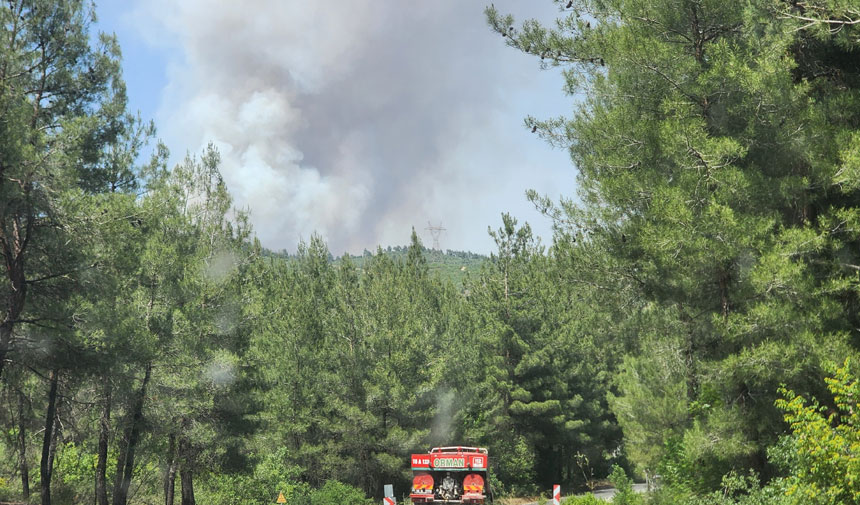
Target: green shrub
{"x": 74, "y": 472}
{"x": 586, "y": 499}
{"x": 337, "y": 493}
{"x": 516, "y": 459}
{"x": 6, "y": 491}
{"x": 669, "y": 495}
{"x": 624, "y": 494}
{"x": 272, "y": 475}
{"x": 822, "y": 453}
{"x": 736, "y": 489}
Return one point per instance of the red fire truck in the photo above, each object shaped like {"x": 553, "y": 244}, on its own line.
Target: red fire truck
{"x": 450, "y": 475}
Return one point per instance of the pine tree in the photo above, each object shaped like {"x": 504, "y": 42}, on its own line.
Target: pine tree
{"x": 716, "y": 149}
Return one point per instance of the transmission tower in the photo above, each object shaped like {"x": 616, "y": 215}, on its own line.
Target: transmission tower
{"x": 435, "y": 231}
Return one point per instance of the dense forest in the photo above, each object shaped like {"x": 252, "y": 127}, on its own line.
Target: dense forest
{"x": 448, "y": 265}
{"x": 694, "y": 321}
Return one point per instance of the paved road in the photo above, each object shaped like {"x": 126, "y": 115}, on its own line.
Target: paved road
{"x": 607, "y": 493}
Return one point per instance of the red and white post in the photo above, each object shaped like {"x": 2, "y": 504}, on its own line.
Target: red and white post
{"x": 556, "y": 494}
{"x": 388, "y": 501}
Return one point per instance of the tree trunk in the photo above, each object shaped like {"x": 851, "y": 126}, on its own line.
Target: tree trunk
{"x": 48, "y": 441}
{"x": 187, "y": 459}
{"x": 186, "y": 474}
{"x": 120, "y": 464}
{"x": 170, "y": 477}
{"x": 52, "y": 447}
{"x": 125, "y": 467}
{"x": 104, "y": 432}
{"x": 186, "y": 477}
{"x": 724, "y": 280}
{"x": 23, "y": 468}
{"x": 17, "y": 292}
{"x": 5, "y": 342}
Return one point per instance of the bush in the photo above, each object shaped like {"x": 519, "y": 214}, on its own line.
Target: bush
{"x": 669, "y": 495}
{"x": 736, "y": 489}
{"x": 822, "y": 454}
{"x": 624, "y": 494}
{"x": 6, "y": 492}
{"x": 74, "y": 471}
{"x": 272, "y": 475}
{"x": 586, "y": 499}
{"x": 516, "y": 459}
{"x": 338, "y": 493}
{"x": 230, "y": 489}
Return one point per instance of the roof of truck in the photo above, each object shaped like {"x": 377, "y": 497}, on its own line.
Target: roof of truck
{"x": 458, "y": 448}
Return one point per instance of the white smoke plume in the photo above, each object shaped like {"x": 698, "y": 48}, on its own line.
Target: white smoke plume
{"x": 357, "y": 120}
{"x": 443, "y": 422}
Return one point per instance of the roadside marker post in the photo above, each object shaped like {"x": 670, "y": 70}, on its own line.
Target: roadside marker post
{"x": 389, "y": 495}
{"x": 556, "y": 494}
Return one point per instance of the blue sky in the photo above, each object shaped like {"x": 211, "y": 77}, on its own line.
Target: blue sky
{"x": 356, "y": 120}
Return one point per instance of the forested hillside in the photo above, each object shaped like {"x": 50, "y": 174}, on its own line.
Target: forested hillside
{"x": 453, "y": 266}
{"x": 695, "y": 298}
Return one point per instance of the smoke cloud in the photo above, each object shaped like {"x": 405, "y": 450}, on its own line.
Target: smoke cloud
{"x": 441, "y": 430}
{"x": 357, "y": 120}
